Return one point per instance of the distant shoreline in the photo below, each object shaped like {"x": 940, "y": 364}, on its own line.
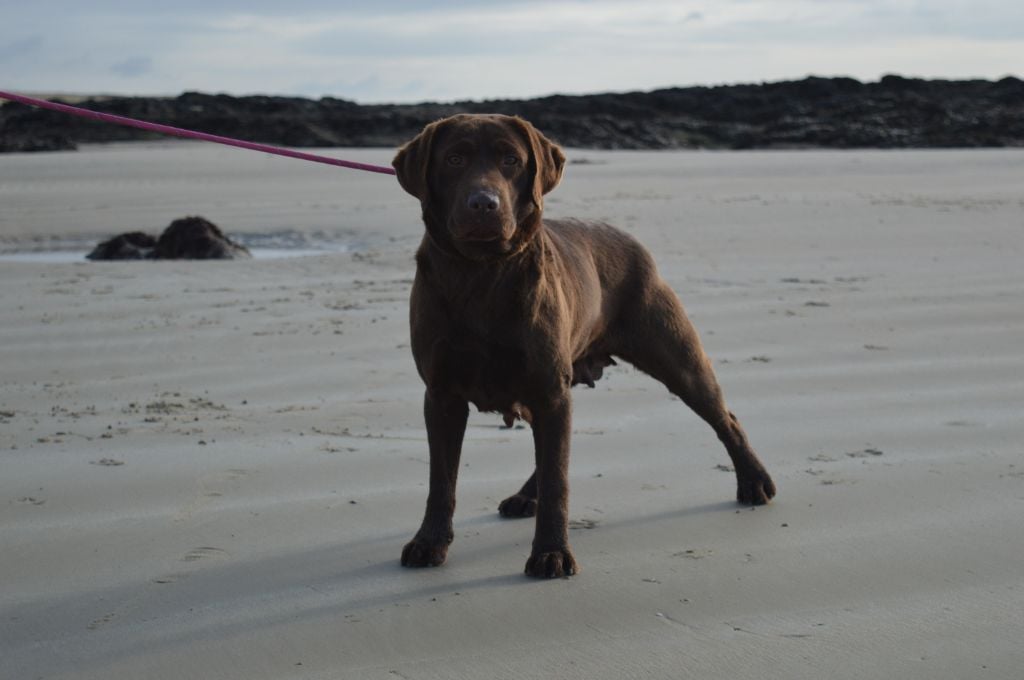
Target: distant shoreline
{"x": 838, "y": 113}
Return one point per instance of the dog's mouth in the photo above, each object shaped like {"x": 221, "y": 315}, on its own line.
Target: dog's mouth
{"x": 486, "y": 236}
{"x": 481, "y": 232}
{"x": 481, "y": 244}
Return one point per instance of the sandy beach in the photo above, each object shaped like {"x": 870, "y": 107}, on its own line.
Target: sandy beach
{"x": 209, "y": 468}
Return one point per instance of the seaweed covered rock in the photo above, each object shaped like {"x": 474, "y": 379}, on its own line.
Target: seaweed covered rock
{"x": 134, "y": 245}
{"x": 22, "y": 142}
{"x": 815, "y": 112}
{"x": 196, "y": 238}
{"x": 187, "y": 238}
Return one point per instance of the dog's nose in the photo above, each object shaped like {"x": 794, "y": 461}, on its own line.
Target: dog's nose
{"x": 483, "y": 201}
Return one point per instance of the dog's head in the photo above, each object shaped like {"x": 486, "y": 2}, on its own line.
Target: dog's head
{"x": 481, "y": 181}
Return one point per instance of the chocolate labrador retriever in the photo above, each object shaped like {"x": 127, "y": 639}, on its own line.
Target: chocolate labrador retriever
{"x": 509, "y": 311}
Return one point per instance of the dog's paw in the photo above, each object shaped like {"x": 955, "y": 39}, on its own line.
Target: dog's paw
{"x": 754, "y": 487}
{"x": 419, "y": 554}
{"x": 555, "y": 564}
{"x": 518, "y": 505}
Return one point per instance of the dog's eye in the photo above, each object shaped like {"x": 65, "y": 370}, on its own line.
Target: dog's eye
{"x": 455, "y": 159}
{"x": 510, "y": 159}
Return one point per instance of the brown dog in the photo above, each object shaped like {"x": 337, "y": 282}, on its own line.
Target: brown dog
{"x": 508, "y": 311}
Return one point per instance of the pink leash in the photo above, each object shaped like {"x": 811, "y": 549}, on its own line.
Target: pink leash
{"x": 191, "y": 134}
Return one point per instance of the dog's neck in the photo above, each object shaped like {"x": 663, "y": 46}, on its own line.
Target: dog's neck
{"x": 441, "y": 255}
{"x": 458, "y": 278}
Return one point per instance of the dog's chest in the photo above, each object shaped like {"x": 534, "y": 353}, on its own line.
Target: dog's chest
{"x": 492, "y": 376}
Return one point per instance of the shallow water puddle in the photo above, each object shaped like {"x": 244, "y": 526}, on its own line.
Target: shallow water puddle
{"x": 65, "y": 256}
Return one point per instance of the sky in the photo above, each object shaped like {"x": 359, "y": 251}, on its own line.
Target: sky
{"x": 379, "y": 51}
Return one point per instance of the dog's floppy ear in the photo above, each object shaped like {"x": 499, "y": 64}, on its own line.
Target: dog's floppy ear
{"x": 413, "y": 159}
{"x": 548, "y": 161}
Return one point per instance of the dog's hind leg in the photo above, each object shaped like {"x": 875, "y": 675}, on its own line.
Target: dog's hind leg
{"x": 659, "y": 339}
{"x": 523, "y": 503}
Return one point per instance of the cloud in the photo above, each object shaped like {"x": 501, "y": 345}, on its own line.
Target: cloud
{"x": 20, "y": 48}
{"x": 406, "y": 50}
{"x": 133, "y": 67}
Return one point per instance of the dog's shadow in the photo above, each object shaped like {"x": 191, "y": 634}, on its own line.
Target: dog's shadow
{"x": 330, "y": 585}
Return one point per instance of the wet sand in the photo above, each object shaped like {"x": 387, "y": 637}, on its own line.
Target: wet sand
{"x": 210, "y": 468}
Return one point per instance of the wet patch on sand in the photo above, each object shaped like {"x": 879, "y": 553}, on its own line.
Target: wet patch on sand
{"x": 263, "y": 246}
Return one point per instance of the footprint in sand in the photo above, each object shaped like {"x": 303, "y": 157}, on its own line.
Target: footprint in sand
{"x": 168, "y": 578}
{"x": 584, "y": 523}
{"x": 107, "y": 462}
{"x": 865, "y": 453}
{"x": 962, "y": 423}
{"x": 102, "y": 621}
{"x": 211, "y": 487}
{"x": 203, "y": 553}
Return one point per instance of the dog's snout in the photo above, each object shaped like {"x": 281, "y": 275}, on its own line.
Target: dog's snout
{"x": 483, "y": 201}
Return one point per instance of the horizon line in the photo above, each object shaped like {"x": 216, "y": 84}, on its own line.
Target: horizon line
{"x": 73, "y": 97}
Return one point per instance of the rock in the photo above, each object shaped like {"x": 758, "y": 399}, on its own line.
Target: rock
{"x": 187, "y": 238}
{"x": 134, "y": 245}
{"x": 13, "y": 142}
{"x": 196, "y": 238}
{"x": 895, "y": 112}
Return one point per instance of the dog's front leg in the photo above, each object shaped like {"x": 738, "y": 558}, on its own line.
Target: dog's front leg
{"x": 446, "y": 425}
{"x": 551, "y": 556}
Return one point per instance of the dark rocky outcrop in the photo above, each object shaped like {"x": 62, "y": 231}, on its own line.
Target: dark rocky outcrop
{"x": 195, "y": 238}
{"x": 188, "y": 238}
{"x": 16, "y": 140}
{"x": 894, "y": 112}
{"x": 134, "y": 245}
